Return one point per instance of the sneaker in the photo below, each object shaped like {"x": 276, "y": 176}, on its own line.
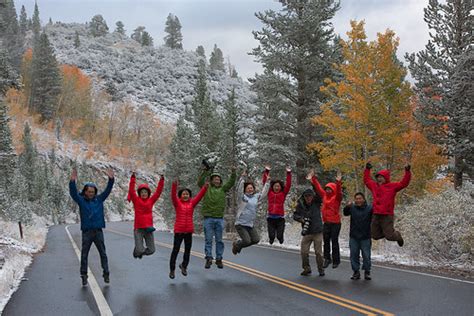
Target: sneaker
{"x": 367, "y": 276}
{"x": 355, "y": 276}
{"x": 271, "y": 241}
{"x": 335, "y": 265}
{"x": 208, "y": 263}
{"x": 106, "y": 277}
{"x": 326, "y": 263}
{"x": 400, "y": 242}
{"x": 306, "y": 272}
{"x": 219, "y": 264}
{"x": 321, "y": 273}
{"x": 235, "y": 250}
{"x": 171, "y": 274}
{"x": 184, "y": 271}
{"x": 280, "y": 241}
{"x": 84, "y": 280}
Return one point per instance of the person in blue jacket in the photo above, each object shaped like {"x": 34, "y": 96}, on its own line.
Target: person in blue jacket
{"x": 91, "y": 208}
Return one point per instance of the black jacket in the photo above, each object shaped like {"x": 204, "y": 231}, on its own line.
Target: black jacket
{"x": 312, "y": 211}
{"x": 361, "y": 218}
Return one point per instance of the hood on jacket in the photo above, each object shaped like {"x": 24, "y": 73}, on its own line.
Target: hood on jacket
{"x": 316, "y": 198}
{"x": 215, "y": 174}
{"x": 332, "y": 186}
{"x": 384, "y": 173}
{"x": 144, "y": 186}
{"x": 89, "y": 185}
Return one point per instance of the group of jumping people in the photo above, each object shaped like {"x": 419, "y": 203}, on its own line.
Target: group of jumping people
{"x": 318, "y": 211}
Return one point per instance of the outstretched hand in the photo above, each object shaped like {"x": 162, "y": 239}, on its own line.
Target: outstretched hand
{"x": 207, "y": 183}
{"x": 162, "y": 176}
{"x": 268, "y": 167}
{"x": 74, "y": 175}
{"x": 288, "y": 169}
{"x": 339, "y": 176}
{"x": 110, "y": 173}
{"x": 310, "y": 174}
{"x": 407, "y": 167}
{"x": 368, "y": 165}
{"x": 244, "y": 173}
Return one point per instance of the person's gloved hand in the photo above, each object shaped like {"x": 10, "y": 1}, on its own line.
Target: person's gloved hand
{"x": 407, "y": 168}
{"x": 368, "y": 166}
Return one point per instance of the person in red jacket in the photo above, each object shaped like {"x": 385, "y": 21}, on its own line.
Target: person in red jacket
{"x": 276, "y": 200}
{"x": 332, "y": 198}
{"x": 183, "y": 226}
{"x": 143, "y": 203}
{"x": 383, "y": 196}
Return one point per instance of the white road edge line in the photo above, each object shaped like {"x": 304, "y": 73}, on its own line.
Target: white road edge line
{"x": 102, "y": 304}
{"x": 375, "y": 265}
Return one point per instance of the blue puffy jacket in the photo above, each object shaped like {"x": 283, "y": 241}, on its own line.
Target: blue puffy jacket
{"x": 91, "y": 211}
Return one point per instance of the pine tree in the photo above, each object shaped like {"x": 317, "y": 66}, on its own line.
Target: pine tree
{"x": 147, "y": 40}
{"x": 296, "y": 50}
{"x": 23, "y": 21}
{"x": 28, "y": 163}
{"x": 138, "y": 34}
{"x": 120, "y": 27}
{"x": 19, "y": 208}
{"x": 45, "y": 79}
{"x": 433, "y": 68}
{"x": 216, "y": 61}
{"x": 50, "y": 21}
{"x": 10, "y": 37}
{"x": 36, "y": 23}
{"x": 8, "y": 76}
{"x": 174, "y": 38}
{"x": 77, "y": 40}
{"x": 98, "y": 26}
{"x": 200, "y": 51}
{"x": 7, "y": 154}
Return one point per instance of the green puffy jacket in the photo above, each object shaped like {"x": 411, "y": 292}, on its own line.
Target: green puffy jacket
{"x": 214, "y": 201}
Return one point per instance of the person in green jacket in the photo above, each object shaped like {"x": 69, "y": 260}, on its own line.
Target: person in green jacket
{"x": 213, "y": 208}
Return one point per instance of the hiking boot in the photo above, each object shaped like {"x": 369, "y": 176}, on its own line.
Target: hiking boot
{"x": 335, "y": 265}
{"x": 306, "y": 272}
{"x": 171, "y": 274}
{"x": 106, "y": 277}
{"x": 208, "y": 263}
{"x": 219, "y": 264}
{"x": 281, "y": 241}
{"x": 184, "y": 271}
{"x": 271, "y": 241}
{"x": 84, "y": 279}
{"x": 400, "y": 242}
{"x": 321, "y": 273}
{"x": 235, "y": 249}
{"x": 355, "y": 276}
{"x": 367, "y": 275}
{"x": 326, "y": 263}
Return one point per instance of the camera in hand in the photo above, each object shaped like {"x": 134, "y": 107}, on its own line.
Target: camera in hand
{"x": 306, "y": 225}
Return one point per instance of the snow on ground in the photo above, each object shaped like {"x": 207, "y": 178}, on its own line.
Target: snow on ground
{"x": 16, "y": 254}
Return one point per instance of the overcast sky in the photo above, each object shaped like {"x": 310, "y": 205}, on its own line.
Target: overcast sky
{"x": 229, "y": 23}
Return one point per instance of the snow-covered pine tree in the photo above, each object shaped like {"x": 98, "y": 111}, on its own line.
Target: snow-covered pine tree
{"x": 45, "y": 79}
{"x": 120, "y": 27}
{"x": 7, "y": 154}
{"x": 23, "y": 23}
{"x": 174, "y": 38}
{"x": 216, "y": 61}
{"x": 36, "y": 23}
{"x": 28, "y": 163}
{"x": 10, "y": 37}
{"x": 8, "y": 75}
{"x": 77, "y": 40}
{"x": 147, "y": 40}
{"x": 296, "y": 50}
{"x": 19, "y": 208}
{"x": 138, "y": 33}
{"x": 98, "y": 26}
{"x": 200, "y": 51}
{"x": 433, "y": 68}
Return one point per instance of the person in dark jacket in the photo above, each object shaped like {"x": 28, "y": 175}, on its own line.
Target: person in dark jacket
{"x": 308, "y": 213}
{"x": 361, "y": 218}
{"x": 91, "y": 209}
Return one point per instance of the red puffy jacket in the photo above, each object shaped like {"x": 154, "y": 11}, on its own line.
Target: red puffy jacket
{"x": 185, "y": 209}
{"x": 383, "y": 195}
{"x": 331, "y": 201}
{"x": 144, "y": 207}
{"x": 276, "y": 201}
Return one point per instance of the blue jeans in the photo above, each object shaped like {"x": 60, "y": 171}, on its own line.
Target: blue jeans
{"x": 213, "y": 227}
{"x": 356, "y": 246}
{"x": 95, "y": 236}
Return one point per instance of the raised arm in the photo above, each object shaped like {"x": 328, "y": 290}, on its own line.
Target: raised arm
{"x": 230, "y": 183}
{"x": 405, "y": 180}
{"x": 264, "y": 193}
{"x": 110, "y": 184}
{"x": 240, "y": 188}
{"x": 339, "y": 190}
{"x": 317, "y": 187}
{"x": 174, "y": 194}
{"x": 72, "y": 186}
{"x": 369, "y": 182}
{"x": 200, "y": 195}
{"x": 158, "y": 190}
{"x": 202, "y": 177}
{"x": 266, "y": 173}
{"x": 132, "y": 194}
{"x": 288, "y": 181}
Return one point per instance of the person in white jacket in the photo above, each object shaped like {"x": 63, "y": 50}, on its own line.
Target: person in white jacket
{"x": 248, "y": 200}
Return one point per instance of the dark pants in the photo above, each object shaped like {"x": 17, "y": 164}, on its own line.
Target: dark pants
{"x": 331, "y": 236}
{"x": 356, "y": 246}
{"x": 139, "y": 235}
{"x": 382, "y": 226}
{"x": 249, "y": 236}
{"x": 95, "y": 236}
{"x": 178, "y": 239}
{"x": 276, "y": 226}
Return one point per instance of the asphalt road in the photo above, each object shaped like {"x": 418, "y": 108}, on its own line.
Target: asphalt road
{"x": 259, "y": 281}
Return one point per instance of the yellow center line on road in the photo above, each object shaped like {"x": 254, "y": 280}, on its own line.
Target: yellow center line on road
{"x": 332, "y": 298}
